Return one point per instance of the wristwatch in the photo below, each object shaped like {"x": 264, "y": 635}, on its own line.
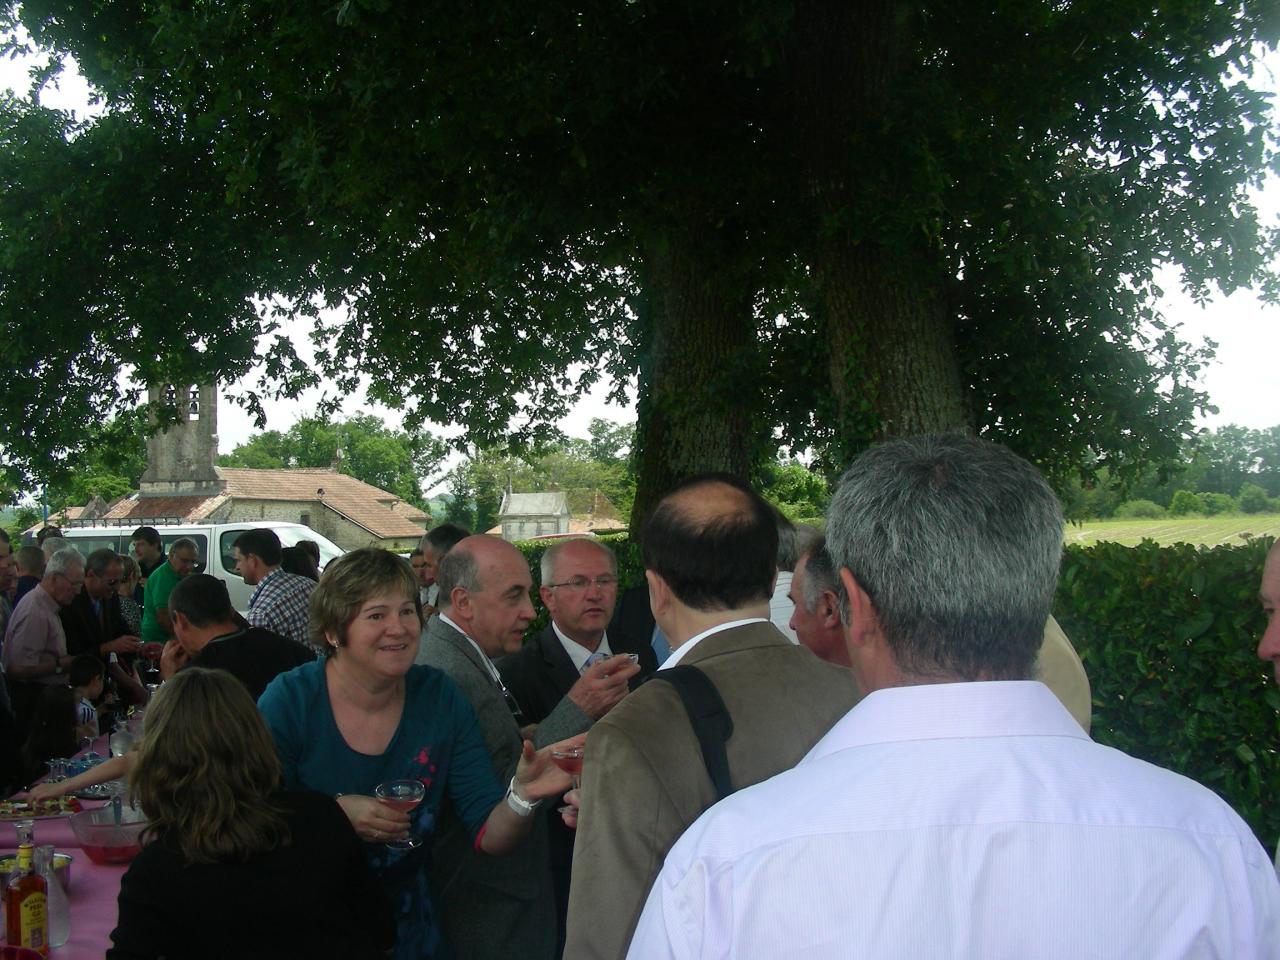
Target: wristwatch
{"x": 518, "y": 804}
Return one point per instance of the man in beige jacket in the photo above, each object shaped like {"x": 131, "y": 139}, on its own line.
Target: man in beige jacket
{"x": 709, "y": 553}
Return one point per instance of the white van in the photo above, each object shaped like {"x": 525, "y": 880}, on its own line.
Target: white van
{"x": 213, "y": 543}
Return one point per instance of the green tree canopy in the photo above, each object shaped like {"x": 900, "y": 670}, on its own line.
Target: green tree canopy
{"x": 362, "y": 446}
{"x": 581, "y": 468}
{"x": 1213, "y": 466}
{"x": 796, "y": 490}
{"x": 112, "y": 464}
{"x": 837, "y": 220}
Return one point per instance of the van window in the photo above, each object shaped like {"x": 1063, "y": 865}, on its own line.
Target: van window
{"x": 289, "y": 537}
{"x": 226, "y": 541}
{"x": 86, "y": 545}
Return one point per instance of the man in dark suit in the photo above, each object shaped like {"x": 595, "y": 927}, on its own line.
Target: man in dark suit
{"x": 574, "y": 664}
{"x": 94, "y": 624}
{"x": 710, "y": 550}
{"x": 491, "y": 908}
{"x": 579, "y": 589}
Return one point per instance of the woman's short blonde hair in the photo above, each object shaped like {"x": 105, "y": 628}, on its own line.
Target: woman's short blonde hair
{"x": 128, "y": 567}
{"x": 207, "y": 769}
{"x": 348, "y": 583}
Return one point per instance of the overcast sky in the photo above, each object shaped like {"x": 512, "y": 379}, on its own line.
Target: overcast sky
{"x": 1242, "y": 383}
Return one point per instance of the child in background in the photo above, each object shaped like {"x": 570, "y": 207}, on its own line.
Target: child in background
{"x": 86, "y": 677}
{"x": 53, "y": 731}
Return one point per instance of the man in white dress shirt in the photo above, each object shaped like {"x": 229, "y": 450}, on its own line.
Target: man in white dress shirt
{"x": 958, "y": 810}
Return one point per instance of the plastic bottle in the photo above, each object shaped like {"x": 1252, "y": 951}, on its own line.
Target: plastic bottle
{"x": 59, "y": 908}
{"x": 121, "y": 742}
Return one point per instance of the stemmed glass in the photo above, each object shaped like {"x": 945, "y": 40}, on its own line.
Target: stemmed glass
{"x": 569, "y": 759}
{"x": 401, "y": 795}
{"x": 150, "y": 662}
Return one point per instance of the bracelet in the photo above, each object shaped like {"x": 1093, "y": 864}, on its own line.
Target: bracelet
{"x": 518, "y": 804}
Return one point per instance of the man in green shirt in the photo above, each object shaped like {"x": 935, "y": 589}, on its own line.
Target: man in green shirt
{"x": 157, "y": 627}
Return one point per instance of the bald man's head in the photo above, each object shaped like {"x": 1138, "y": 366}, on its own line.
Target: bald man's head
{"x": 484, "y": 588}
{"x": 714, "y": 541}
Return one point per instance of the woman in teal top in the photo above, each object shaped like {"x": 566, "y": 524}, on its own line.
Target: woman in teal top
{"x": 365, "y": 715}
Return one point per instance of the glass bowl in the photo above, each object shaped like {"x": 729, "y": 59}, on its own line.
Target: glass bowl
{"x": 103, "y": 840}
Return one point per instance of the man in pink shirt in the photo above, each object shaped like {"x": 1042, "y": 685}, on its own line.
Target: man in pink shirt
{"x": 35, "y": 646}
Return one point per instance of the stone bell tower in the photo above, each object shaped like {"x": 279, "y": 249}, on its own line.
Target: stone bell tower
{"x": 181, "y": 458}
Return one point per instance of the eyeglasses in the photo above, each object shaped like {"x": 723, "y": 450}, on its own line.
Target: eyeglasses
{"x": 581, "y": 583}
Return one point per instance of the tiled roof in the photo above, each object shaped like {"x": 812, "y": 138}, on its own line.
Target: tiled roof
{"x": 534, "y": 504}
{"x": 409, "y": 511}
{"x": 577, "y": 528}
{"x": 57, "y": 519}
{"x": 381, "y": 513}
{"x": 159, "y": 508}
{"x": 69, "y": 513}
{"x": 374, "y": 509}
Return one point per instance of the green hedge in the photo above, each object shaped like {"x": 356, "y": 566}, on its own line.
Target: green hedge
{"x": 1168, "y": 636}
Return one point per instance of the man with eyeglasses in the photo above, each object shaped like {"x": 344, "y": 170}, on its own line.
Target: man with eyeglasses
{"x": 157, "y": 625}
{"x": 95, "y": 626}
{"x": 35, "y": 644}
{"x": 574, "y": 666}
{"x": 571, "y": 657}
{"x": 491, "y": 908}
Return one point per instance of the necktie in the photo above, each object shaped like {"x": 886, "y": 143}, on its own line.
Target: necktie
{"x": 593, "y": 659}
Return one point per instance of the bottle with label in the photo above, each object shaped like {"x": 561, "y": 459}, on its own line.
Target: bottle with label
{"x": 59, "y": 910}
{"x": 26, "y": 904}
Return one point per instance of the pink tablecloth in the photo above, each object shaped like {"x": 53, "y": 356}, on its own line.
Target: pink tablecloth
{"x": 93, "y": 889}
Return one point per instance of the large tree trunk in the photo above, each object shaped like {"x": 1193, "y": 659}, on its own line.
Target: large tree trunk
{"x": 698, "y": 378}
{"x": 877, "y": 282}
{"x": 893, "y": 363}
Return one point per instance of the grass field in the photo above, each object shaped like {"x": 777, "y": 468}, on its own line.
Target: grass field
{"x": 1206, "y": 530}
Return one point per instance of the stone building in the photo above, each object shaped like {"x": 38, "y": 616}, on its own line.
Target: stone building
{"x": 528, "y": 516}
{"x": 524, "y": 516}
{"x": 184, "y": 484}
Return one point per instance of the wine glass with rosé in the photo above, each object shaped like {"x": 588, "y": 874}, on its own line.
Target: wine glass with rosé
{"x": 401, "y": 795}
{"x": 569, "y": 759}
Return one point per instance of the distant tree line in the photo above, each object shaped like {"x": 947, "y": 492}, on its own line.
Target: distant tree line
{"x": 1229, "y": 470}
{"x": 603, "y": 463}
{"x": 409, "y": 464}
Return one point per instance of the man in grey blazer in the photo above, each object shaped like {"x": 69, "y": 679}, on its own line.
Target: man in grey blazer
{"x": 492, "y": 908}
{"x": 710, "y": 549}
{"x": 576, "y": 659}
